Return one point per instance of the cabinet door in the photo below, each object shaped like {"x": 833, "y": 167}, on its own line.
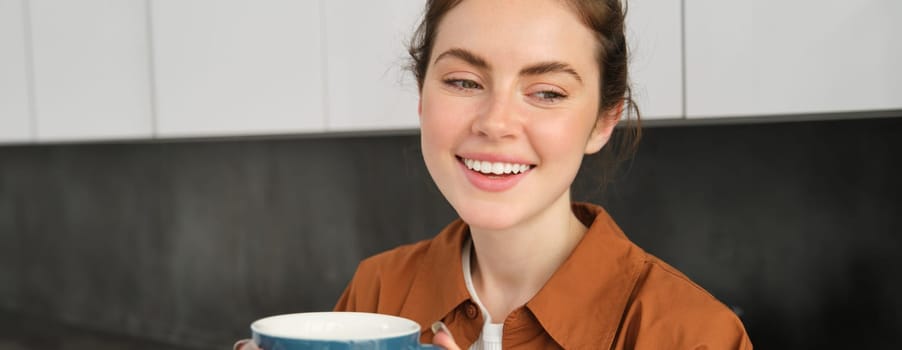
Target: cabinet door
{"x": 15, "y": 114}
{"x": 366, "y": 52}
{"x": 91, "y": 69}
{"x": 237, "y": 67}
{"x": 654, "y": 34}
{"x": 770, "y": 57}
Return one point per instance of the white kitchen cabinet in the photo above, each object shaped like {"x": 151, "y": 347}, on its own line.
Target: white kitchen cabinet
{"x": 770, "y": 57}
{"x": 368, "y": 86}
{"x": 654, "y": 34}
{"x": 91, "y": 69}
{"x": 237, "y": 67}
{"x": 15, "y": 113}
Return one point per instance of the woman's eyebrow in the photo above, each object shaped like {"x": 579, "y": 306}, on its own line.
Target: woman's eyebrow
{"x": 535, "y": 69}
{"x": 466, "y": 56}
{"x": 551, "y": 67}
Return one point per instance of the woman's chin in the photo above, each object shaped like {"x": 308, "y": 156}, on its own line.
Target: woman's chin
{"x": 491, "y": 220}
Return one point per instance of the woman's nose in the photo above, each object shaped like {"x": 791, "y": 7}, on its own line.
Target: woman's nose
{"x": 498, "y": 120}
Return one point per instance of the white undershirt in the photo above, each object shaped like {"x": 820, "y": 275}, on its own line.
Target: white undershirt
{"x": 490, "y": 338}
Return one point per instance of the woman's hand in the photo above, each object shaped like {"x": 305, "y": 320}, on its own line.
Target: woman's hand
{"x": 443, "y": 336}
{"x": 245, "y": 344}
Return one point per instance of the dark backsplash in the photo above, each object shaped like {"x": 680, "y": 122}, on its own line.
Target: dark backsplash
{"x": 795, "y": 225}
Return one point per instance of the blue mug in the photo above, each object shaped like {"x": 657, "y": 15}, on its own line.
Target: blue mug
{"x": 337, "y": 330}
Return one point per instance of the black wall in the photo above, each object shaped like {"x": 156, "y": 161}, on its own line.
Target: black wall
{"x": 795, "y": 225}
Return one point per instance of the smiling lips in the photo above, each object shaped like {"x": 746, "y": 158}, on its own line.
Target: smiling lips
{"x": 493, "y": 176}
{"x": 497, "y": 168}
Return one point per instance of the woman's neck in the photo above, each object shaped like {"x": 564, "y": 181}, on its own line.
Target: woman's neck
{"x": 509, "y": 267}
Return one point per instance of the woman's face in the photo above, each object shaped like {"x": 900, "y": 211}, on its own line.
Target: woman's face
{"x": 508, "y": 108}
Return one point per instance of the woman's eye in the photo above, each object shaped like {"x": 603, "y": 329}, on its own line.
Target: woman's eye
{"x": 463, "y": 84}
{"x": 549, "y": 96}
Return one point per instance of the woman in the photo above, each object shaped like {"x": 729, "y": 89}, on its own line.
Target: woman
{"x": 513, "y": 94}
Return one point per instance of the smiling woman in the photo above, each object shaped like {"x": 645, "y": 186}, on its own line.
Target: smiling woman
{"x": 521, "y": 102}
{"x": 513, "y": 95}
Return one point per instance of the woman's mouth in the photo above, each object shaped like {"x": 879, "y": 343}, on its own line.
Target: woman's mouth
{"x": 493, "y": 176}
{"x": 495, "y": 168}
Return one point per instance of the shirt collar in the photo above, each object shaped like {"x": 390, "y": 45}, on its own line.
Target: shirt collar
{"x": 580, "y": 306}
{"x": 439, "y": 285}
{"x": 596, "y": 280}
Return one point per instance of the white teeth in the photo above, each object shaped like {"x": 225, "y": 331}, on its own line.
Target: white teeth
{"x": 496, "y": 168}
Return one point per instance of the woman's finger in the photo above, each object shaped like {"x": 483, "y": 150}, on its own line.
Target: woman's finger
{"x": 443, "y": 336}
{"x": 245, "y": 344}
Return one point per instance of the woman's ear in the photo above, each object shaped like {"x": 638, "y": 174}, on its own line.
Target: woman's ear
{"x": 604, "y": 126}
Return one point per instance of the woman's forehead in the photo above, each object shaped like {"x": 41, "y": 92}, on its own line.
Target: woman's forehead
{"x": 505, "y": 32}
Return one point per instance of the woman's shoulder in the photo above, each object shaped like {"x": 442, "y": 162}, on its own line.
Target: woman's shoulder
{"x": 382, "y": 278}
{"x": 399, "y": 260}
{"x": 448, "y": 241}
{"x": 661, "y": 277}
{"x": 383, "y": 281}
{"x": 668, "y": 306}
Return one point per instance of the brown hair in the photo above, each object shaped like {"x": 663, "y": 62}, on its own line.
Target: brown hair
{"x": 606, "y": 18}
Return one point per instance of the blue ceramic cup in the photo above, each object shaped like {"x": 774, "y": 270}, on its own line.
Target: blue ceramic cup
{"x": 337, "y": 330}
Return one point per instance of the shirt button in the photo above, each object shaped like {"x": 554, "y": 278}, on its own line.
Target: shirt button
{"x": 471, "y": 311}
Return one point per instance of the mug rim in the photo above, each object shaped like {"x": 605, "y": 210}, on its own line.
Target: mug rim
{"x": 256, "y": 325}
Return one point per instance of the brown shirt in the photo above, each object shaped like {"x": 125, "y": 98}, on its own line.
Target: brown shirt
{"x": 608, "y": 294}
